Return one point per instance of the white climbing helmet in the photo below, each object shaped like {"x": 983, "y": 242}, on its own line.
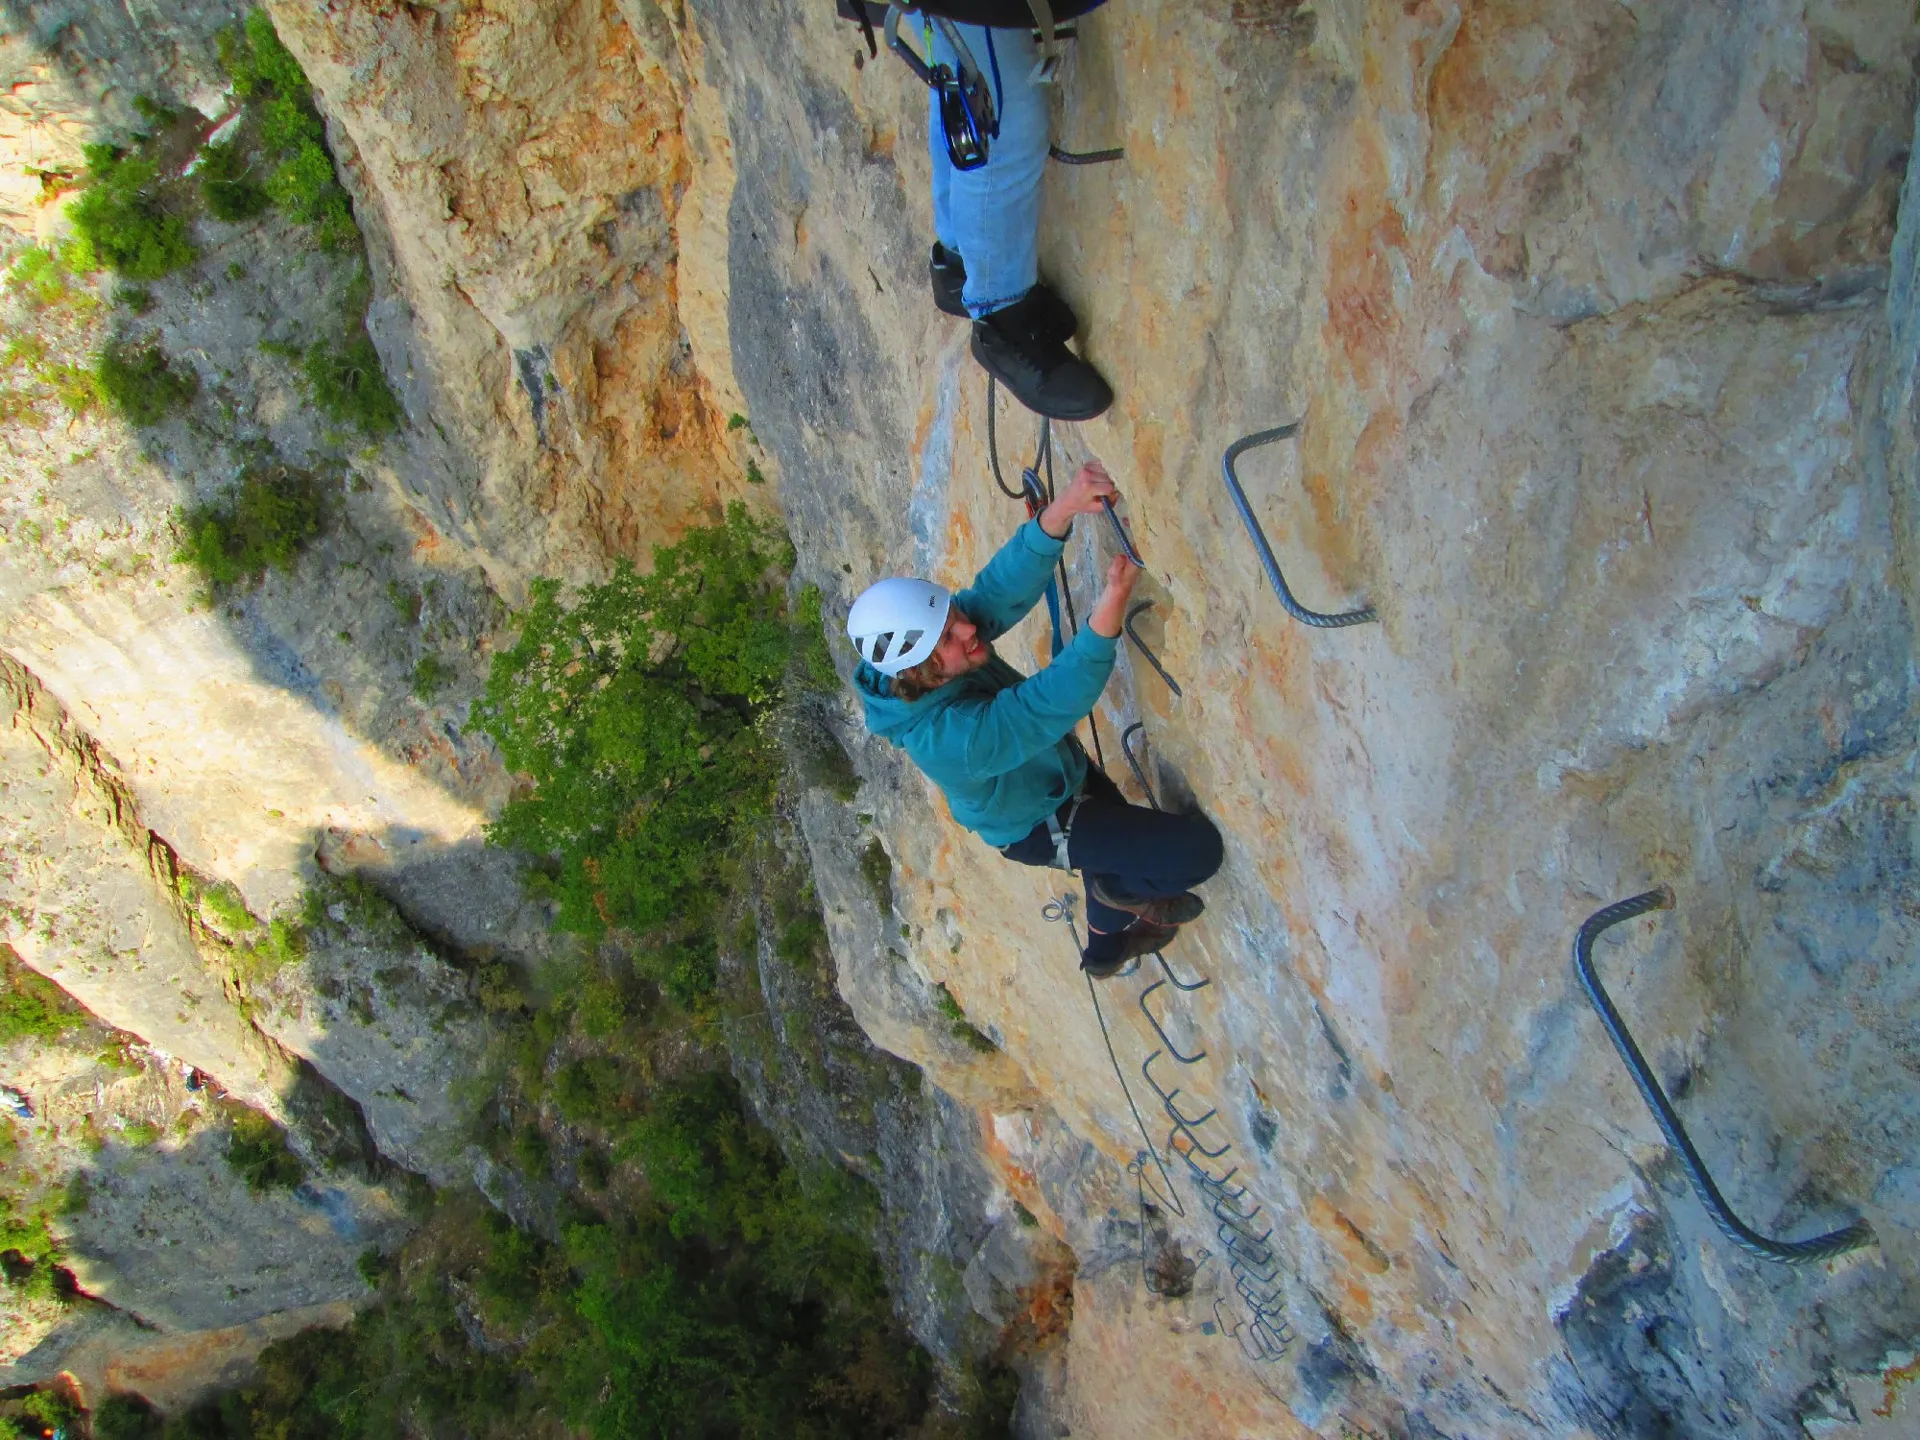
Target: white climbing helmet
{"x": 897, "y": 622}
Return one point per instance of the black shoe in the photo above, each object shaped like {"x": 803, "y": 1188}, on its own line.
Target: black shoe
{"x": 1014, "y": 347}
{"x": 1136, "y": 940}
{"x": 948, "y": 272}
{"x": 1169, "y": 910}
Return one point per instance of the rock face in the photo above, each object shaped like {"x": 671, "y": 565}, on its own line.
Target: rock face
{"x": 1599, "y": 327}
{"x": 1588, "y": 322}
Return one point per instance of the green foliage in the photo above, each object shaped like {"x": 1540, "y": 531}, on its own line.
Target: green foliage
{"x": 290, "y": 132}
{"x": 39, "y": 276}
{"x": 763, "y": 1314}
{"x": 373, "y": 1267}
{"x": 258, "y": 1152}
{"x": 32, "y": 1005}
{"x": 220, "y": 904}
{"x": 228, "y": 185}
{"x": 267, "y": 519}
{"x": 589, "y": 1091}
{"x": 876, "y": 868}
{"x": 127, "y": 1417}
{"x": 638, "y": 712}
{"x": 140, "y": 1133}
{"x": 123, "y": 217}
{"x": 43, "y": 1412}
{"x": 963, "y": 1029}
{"x": 142, "y": 383}
{"x": 430, "y": 677}
{"x": 736, "y": 421}
{"x": 346, "y": 381}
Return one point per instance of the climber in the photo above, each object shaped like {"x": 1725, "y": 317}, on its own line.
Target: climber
{"x": 988, "y": 136}
{"x": 1000, "y": 745}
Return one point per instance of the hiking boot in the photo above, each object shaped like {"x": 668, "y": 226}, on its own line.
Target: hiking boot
{"x": 949, "y": 275}
{"x": 1140, "y": 938}
{"x": 1046, "y": 377}
{"x": 1170, "y": 910}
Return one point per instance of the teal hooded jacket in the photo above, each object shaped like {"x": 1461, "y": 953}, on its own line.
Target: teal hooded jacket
{"x": 997, "y": 742}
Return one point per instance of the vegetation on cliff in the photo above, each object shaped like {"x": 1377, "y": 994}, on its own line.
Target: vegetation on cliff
{"x": 642, "y": 714}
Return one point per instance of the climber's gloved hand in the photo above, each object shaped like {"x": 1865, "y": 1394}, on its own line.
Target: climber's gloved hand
{"x": 1090, "y": 486}
{"x": 1111, "y": 608}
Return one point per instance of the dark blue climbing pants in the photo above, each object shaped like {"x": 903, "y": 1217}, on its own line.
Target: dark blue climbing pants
{"x": 1135, "y": 852}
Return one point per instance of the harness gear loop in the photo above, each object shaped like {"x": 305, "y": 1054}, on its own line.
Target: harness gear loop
{"x": 1062, "y": 833}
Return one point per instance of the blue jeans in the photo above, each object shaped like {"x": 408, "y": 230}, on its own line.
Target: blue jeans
{"x": 990, "y": 217}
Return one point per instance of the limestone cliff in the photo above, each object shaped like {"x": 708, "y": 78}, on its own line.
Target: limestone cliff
{"x": 1599, "y": 327}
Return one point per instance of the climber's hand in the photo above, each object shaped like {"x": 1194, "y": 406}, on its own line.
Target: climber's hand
{"x": 1111, "y": 608}
{"x": 1083, "y": 496}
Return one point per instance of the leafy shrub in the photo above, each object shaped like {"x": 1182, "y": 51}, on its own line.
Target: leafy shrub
{"x": 280, "y": 101}
{"x": 32, "y": 1005}
{"x": 39, "y": 276}
{"x": 430, "y": 677}
{"x": 122, "y": 217}
{"x": 346, "y": 381}
{"x": 228, "y": 185}
{"x": 267, "y": 520}
{"x": 588, "y": 1091}
{"x": 638, "y": 712}
{"x": 258, "y": 1152}
{"x": 127, "y": 1417}
{"x": 876, "y": 868}
{"x": 140, "y": 1133}
{"x": 963, "y": 1029}
{"x": 142, "y": 384}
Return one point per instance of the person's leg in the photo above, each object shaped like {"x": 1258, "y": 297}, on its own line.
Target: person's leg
{"x": 1138, "y": 853}
{"x": 993, "y": 212}
{"x": 943, "y": 231}
{"x": 1105, "y": 924}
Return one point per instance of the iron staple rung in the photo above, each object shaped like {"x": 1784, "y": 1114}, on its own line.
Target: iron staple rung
{"x": 1793, "y": 1252}
{"x": 1315, "y": 618}
{"x": 1152, "y": 659}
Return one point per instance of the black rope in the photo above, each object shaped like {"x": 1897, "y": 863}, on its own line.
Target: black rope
{"x": 993, "y": 443}
{"x": 1794, "y": 1252}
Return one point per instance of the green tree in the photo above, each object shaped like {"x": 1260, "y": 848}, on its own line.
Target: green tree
{"x": 123, "y": 217}
{"x": 639, "y": 712}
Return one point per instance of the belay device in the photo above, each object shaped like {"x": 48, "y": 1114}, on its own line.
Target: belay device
{"x": 966, "y": 107}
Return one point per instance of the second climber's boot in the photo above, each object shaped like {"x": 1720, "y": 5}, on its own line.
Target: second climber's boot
{"x": 948, "y": 274}
{"x": 1016, "y": 347}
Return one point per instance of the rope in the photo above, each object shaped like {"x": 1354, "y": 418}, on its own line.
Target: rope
{"x": 1061, "y": 908}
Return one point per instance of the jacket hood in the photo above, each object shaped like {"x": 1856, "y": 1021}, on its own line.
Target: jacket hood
{"x": 888, "y": 715}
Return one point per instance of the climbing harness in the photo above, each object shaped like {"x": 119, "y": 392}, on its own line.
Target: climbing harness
{"x": 1293, "y": 606}
{"x": 1146, "y": 653}
{"x": 1793, "y": 1252}
{"x": 1060, "y": 833}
